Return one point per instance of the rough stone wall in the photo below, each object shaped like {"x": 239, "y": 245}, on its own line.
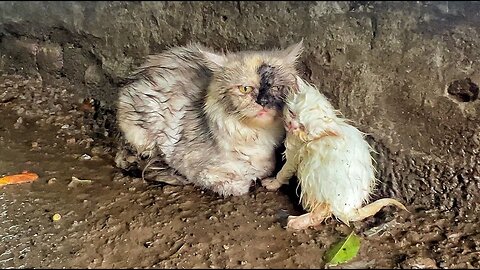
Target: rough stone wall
{"x": 407, "y": 73}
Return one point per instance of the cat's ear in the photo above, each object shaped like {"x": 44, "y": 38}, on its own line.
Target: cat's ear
{"x": 215, "y": 61}
{"x": 293, "y": 52}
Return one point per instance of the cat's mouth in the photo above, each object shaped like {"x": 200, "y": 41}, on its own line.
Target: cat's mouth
{"x": 262, "y": 117}
{"x": 264, "y": 112}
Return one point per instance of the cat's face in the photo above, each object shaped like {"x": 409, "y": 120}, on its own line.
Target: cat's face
{"x": 308, "y": 124}
{"x": 304, "y": 116}
{"x": 292, "y": 121}
{"x": 254, "y": 85}
{"x": 303, "y": 123}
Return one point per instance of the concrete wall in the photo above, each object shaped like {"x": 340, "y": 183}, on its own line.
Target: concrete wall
{"x": 406, "y": 72}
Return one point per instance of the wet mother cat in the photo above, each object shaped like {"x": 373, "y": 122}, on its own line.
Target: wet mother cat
{"x": 214, "y": 118}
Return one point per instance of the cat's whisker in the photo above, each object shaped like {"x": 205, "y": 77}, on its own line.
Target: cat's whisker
{"x": 150, "y": 162}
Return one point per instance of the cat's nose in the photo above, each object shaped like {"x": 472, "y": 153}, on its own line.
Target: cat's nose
{"x": 262, "y": 101}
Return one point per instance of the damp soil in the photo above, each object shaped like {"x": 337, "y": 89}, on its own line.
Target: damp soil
{"x": 119, "y": 221}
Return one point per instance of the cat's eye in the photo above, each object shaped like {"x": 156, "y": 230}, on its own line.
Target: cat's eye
{"x": 245, "y": 89}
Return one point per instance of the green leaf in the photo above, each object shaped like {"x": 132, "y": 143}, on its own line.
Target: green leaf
{"x": 344, "y": 250}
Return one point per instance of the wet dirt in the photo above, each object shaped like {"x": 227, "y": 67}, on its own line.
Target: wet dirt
{"x": 118, "y": 221}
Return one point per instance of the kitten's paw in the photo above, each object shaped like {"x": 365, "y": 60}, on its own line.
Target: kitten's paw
{"x": 271, "y": 183}
{"x": 297, "y": 223}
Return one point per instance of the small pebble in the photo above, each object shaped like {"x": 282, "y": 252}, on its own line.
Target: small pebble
{"x": 97, "y": 150}
{"x": 52, "y": 180}
{"x": 75, "y": 182}
{"x": 56, "y": 217}
{"x": 85, "y": 157}
{"x": 419, "y": 263}
{"x": 18, "y": 123}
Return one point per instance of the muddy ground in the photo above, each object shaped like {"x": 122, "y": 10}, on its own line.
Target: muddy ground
{"x": 118, "y": 221}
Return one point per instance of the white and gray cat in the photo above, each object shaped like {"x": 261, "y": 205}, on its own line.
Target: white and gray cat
{"x": 215, "y": 119}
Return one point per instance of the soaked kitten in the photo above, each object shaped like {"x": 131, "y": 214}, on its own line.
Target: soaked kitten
{"x": 331, "y": 159}
{"x": 216, "y": 119}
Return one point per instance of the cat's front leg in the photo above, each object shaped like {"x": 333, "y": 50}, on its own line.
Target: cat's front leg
{"x": 287, "y": 171}
{"x": 224, "y": 181}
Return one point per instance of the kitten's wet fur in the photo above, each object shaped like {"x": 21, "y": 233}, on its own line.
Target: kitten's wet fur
{"x": 214, "y": 119}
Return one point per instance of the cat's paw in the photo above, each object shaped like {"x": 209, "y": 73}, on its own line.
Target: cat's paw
{"x": 237, "y": 188}
{"x": 271, "y": 183}
{"x": 224, "y": 182}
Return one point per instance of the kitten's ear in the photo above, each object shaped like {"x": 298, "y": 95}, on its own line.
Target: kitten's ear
{"x": 298, "y": 85}
{"x": 293, "y": 52}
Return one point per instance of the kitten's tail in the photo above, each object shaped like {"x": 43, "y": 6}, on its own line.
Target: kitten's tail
{"x": 372, "y": 208}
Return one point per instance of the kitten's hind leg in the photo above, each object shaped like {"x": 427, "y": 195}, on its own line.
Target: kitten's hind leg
{"x": 299, "y": 222}
{"x": 372, "y": 208}
{"x": 315, "y": 218}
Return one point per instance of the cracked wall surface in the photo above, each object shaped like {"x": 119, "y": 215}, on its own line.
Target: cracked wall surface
{"x": 407, "y": 73}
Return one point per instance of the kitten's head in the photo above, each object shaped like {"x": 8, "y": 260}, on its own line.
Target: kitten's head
{"x": 253, "y": 84}
{"x": 307, "y": 113}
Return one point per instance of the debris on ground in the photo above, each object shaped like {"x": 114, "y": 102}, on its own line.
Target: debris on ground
{"x": 76, "y": 182}
{"x": 23, "y": 177}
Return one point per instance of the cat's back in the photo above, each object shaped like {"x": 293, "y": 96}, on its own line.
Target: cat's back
{"x": 177, "y": 66}
{"x": 162, "y": 94}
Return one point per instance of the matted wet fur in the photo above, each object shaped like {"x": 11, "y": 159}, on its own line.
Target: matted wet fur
{"x": 214, "y": 119}
{"x": 331, "y": 160}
